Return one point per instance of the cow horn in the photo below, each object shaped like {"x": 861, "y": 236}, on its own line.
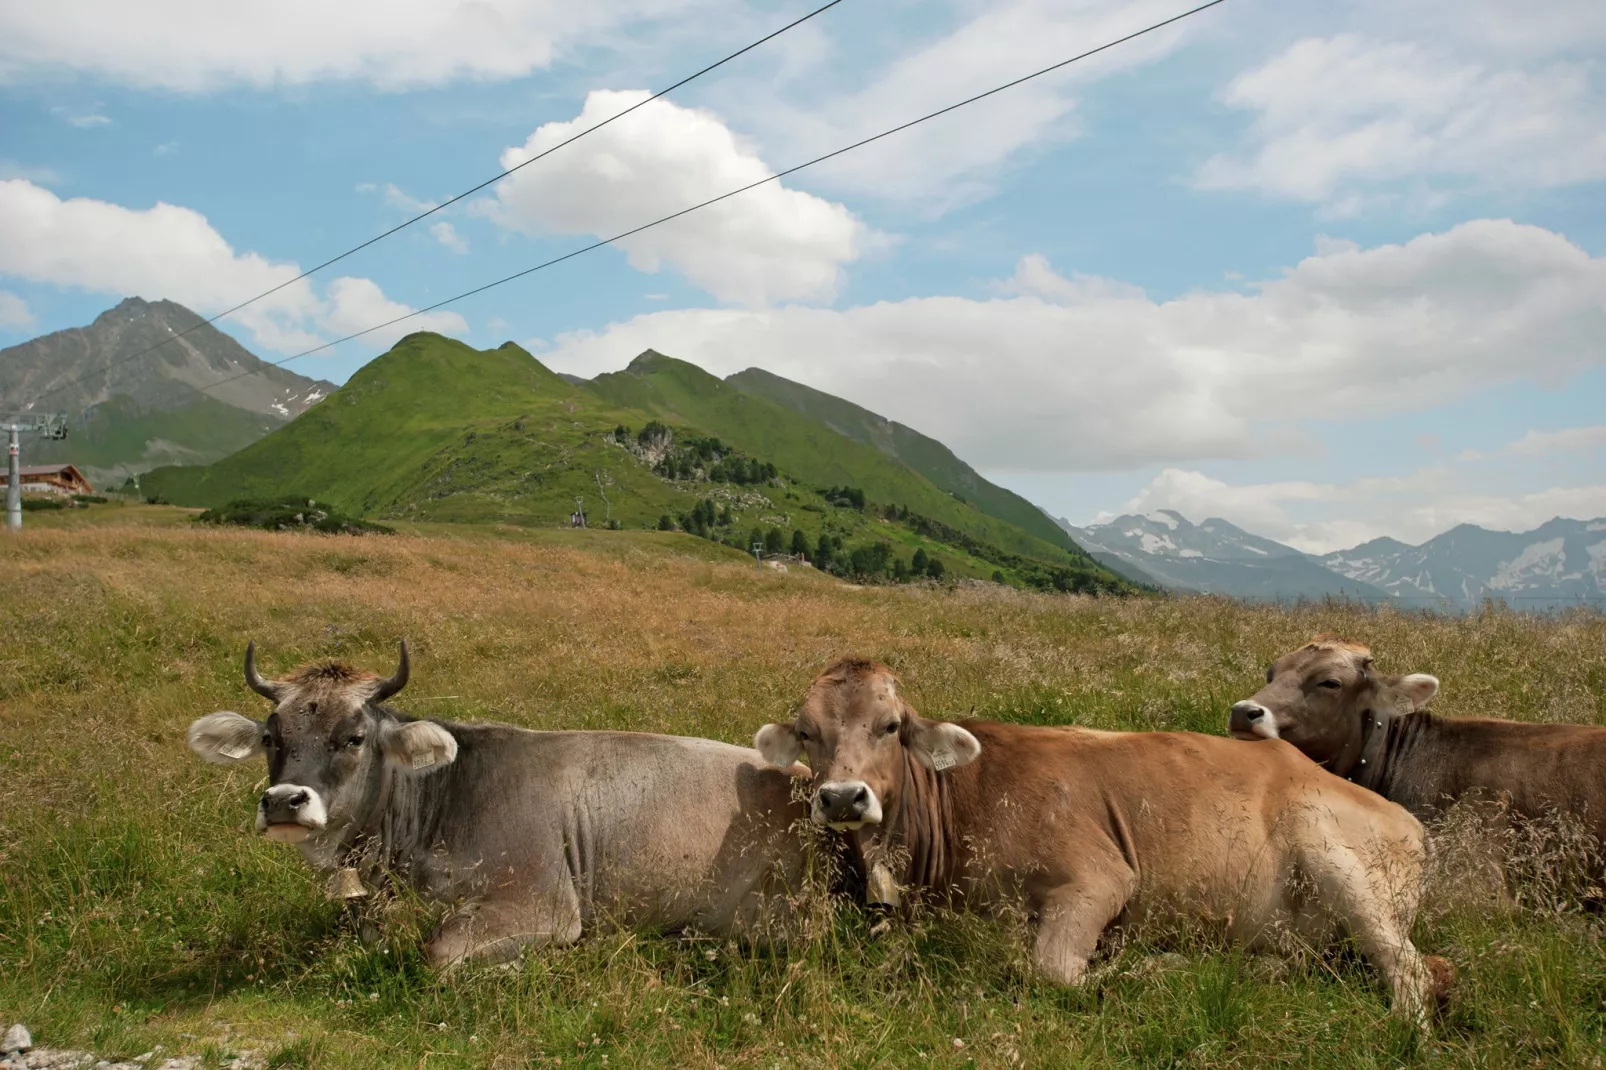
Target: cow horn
{"x": 266, "y": 688}
{"x": 390, "y": 686}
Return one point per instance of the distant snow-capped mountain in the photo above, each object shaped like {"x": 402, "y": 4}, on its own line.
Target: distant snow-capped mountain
{"x": 1214, "y": 557}
{"x": 1559, "y": 563}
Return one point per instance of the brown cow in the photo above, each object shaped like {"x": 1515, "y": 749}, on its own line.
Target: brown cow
{"x": 1328, "y": 699}
{"x": 1090, "y": 828}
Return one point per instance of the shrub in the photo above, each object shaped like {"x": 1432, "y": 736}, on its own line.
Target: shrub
{"x": 291, "y": 514}
{"x": 35, "y": 505}
{"x": 665, "y": 523}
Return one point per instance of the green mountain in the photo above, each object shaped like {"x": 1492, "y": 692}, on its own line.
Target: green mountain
{"x": 436, "y": 430}
{"x": 812, "y": 449}
{"x": 131, "y": 407}
{"x": 925, "y": 455}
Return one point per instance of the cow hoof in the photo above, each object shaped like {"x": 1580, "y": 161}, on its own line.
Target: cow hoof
{"x": 1443, "y": 972}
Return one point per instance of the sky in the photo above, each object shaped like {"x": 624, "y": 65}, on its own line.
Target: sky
{"x": 1328, "y": 270}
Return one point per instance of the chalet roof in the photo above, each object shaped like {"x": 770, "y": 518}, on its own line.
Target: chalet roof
{"x": 46, "y": 470}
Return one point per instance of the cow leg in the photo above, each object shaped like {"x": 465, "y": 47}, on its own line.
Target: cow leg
{"x": 498, "y": 930}
{"x": 1378, "y": 907}
{"x": 1072, "y": 916}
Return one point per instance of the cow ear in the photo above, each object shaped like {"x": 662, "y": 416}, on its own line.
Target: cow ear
{"x": 778, "y": 744}
{"x": 1418, "y": 687}
{"x": 225, "y": 737}
{"x": 418, "y": 746}
{"x": 941, "y": 745}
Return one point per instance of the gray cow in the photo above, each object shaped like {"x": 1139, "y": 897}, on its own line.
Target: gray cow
{"x": 533, "y": 836}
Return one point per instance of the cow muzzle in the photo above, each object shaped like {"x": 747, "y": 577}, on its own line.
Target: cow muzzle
{"x": 846, "y": 804}
{"x": 1251, "y": 720}
{"x": 289, "y": 813}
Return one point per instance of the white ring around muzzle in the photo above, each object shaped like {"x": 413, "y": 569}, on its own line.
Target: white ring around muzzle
{"x": 870, "y": 815}
{"x": 310, "y": 814}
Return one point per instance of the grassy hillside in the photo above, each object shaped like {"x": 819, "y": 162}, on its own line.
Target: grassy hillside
{"x": 137, "y": 908}
{"x": 675, "y": 390}
{"x": 923, "y": 454}
{"x": 435, "y": 430}
{"x": 120, "y": 437}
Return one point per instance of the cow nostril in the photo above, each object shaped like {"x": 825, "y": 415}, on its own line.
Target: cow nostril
{"x": 861, "y": 797}
{"x": 297, "y": 800}
{"x": 1254, "y": 714}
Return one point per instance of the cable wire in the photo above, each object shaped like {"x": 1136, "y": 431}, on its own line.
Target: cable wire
{"x": 444, "y": 204}
{"x": 732, "y": 193}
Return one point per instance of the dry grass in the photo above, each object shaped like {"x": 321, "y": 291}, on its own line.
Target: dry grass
{"x": 135, "y": 908}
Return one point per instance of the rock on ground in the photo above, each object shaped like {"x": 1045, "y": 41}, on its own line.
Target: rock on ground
{"x": 66, "y": 1059}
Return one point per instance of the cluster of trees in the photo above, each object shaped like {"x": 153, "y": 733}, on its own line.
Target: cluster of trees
{"x": 696, "y": 457}
{"x": 846, "y": 497}
{"x": 705, "y": 519}
{"x": 875, "y": 562}
{"x": 1039, "y": 574}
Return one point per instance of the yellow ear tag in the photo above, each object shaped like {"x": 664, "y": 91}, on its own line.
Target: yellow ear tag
{"x": 943, "y": 760}
{"x": 423, "y": 761}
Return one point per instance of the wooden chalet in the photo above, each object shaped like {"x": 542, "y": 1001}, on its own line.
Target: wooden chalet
{"x": 61, "y": 479}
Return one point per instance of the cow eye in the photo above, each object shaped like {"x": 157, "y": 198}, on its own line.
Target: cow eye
{"x": 267, "y": 741}
{"x": 802, "y": 736}
{"x": 1271, "y": 670}
{"x": 354, "y": 741}
{"x": 889, "y": 729}
{"x": 1334, "y": 684}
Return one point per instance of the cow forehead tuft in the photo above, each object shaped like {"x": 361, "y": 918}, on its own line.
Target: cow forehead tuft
{"x": 1333, "y": 641}
{"x": 329, "y": 671}
{"x": 844, "y": 670}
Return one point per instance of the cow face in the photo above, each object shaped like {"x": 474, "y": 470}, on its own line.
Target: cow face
{"x": 1321, "y": 696}
{"x": 856, "y": 731}
{"x": 328, "y": 745}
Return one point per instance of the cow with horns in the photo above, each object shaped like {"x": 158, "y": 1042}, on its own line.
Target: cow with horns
{"x": 532, "y": 836}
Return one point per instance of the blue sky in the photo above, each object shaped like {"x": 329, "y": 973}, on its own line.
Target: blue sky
{"x": 1327, "y": 270}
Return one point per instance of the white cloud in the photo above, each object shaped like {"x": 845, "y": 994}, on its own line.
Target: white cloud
{"x": 1322, "y": 517}
{"x": 447, "y": 235}
{"x": 171, "y": 252}
{"x": 396, "y": 197}
{"x": 14, "y": 314}
{"x": 1338, "y": 117}
{"x": 166, "y": 148}
{"x": 958, "y": 158}
{"x": 178, "y": 44}
{"x": 1086, "y": 375}
{"x": 88, "y": 122}
{"x": 766, "y": 245}
{"x": 1567, "y": 440}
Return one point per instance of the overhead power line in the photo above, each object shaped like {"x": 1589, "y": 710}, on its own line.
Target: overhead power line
{"x": 778, "y": 175}
{"x": 448, "y": 203}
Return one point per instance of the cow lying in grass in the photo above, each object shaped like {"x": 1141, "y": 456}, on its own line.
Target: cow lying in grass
{"x": 1328, "y": 699}
{"x": 533, "y": 835}
{"x": 1092, "y": 828}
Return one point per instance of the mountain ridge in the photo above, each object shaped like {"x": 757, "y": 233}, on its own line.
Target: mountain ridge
{"x": 920, "y": 452}
{"x": 134, "y": 402}
{"x": 1217, "y": 557}
{"x": 434, "y": 430}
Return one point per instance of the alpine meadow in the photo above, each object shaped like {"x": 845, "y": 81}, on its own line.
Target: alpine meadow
{"x": 820, "y": 534}
{"x": 138, "y": 908}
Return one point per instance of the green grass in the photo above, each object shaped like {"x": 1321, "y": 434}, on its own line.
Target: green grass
{"x": 137, "y": 909}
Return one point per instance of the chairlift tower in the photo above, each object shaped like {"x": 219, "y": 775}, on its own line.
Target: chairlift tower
{"x": 47, "y": 425}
